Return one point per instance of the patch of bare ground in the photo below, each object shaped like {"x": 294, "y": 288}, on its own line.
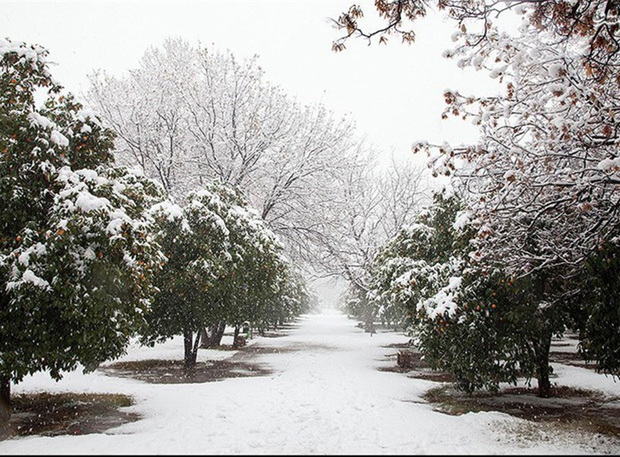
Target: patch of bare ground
{"x": 404, "y": 345}
{"x": 565, "y": 351}
{"x": 571, "y": 358}
{"x": 274, "y": 334}
{"x": 67, "y": 413}
{"x": 241, "y": 364}
{"x": 570, "y": 410}
{"x": 174, "y": 371}
{"x": 81, "y": 413}
{"x": 411, "y": 362}
{"x": 252, "y": 350}
{"x": 282, "y": 330}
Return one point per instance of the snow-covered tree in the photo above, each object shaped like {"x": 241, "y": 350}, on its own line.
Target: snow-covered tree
{"x": 76, "y": 250}
{"x": 479, "y": 324}
{"x": 223, "y": 266}
{"x": 595, "y": 310}
{"x": 566, "y": 19}
{"x": 371, "y": 205}
{"x": 295, "y": 297}
{"x": 544, "y": 172}
{"x": 541, "y": 183}
{"x": 412, "y": 267}
{"x": 192, "y": 115}
{"x": 543, "y": 178}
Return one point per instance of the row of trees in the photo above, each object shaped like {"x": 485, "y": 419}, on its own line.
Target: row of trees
{"x": 225, "y": 267}
{"x": 93, "y": 253}
{"x": 527, "y": 245}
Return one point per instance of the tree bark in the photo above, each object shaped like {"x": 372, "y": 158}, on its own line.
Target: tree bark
{"x": 5, "y": 405}
{"x": 236, "y": 336}
{"x": 220, "y": 333}
{"x": 369, "y": 325}
{"x": 191, "y": 350}
{"x": 368, "y": 314}
{"x": 204, "y": 337}
{"x": 544, "y": 370}
{"x": 195, "y": 348}
{"x": 212, "y": 335}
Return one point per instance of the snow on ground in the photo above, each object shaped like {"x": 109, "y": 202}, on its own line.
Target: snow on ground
{"x": 325, "y": 396}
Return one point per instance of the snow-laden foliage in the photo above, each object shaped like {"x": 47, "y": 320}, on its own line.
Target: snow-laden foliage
{"x": 596, "y": 21}
{"x": 543, "y": 177}
{"x": 543, "y": 180}
{"x": 482, "y": 326}
{"x": 416, "y": 274}
{"x": 76, "y": 250}
{"x": 223, "y": 265}
{"x": 189, "y": 115}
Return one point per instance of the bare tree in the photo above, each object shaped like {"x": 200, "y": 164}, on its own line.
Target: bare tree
{"x": 373, "y": 203}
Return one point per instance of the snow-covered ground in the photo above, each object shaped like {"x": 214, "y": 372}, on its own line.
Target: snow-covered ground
{"x": 325, "y": 396}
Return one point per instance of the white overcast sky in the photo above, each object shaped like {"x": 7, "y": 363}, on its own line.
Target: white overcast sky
{"x": 393, "y": 92}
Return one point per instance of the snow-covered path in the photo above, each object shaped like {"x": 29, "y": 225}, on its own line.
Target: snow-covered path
{"x": 324, "y": 396}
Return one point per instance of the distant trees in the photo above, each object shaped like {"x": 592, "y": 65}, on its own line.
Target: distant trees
{"x": 371, "y": 204}
{"x": 76, "y": 250}
{"x": 540, "y": 187}
{"x": 191, "y": 116}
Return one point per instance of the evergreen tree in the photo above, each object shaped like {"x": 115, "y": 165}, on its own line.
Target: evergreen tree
{"x": 416, "y": 263}
{"x": 596, "y": 309}
{"x": 223, "y": 265}
{"x": 76, "y": 253}
{"x": 471, "y": 320}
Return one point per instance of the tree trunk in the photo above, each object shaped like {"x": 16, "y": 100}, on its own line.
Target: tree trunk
{"x": 212, "y": 335}
{"x": 208, "y": 335}
{"x": 236, "y": 336}
{"x": 195, "y": 348}
{"x": 5, "y": 405}
{"x": 369, "y": 325}
{"x": 221, "y": 328}
{"x": 187, "y": 345}
{"x": 204, "y": 337}
{"x": 543, "y": 370}
{"x": 191, "y": 351}
{"x": 368, "y": 313}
